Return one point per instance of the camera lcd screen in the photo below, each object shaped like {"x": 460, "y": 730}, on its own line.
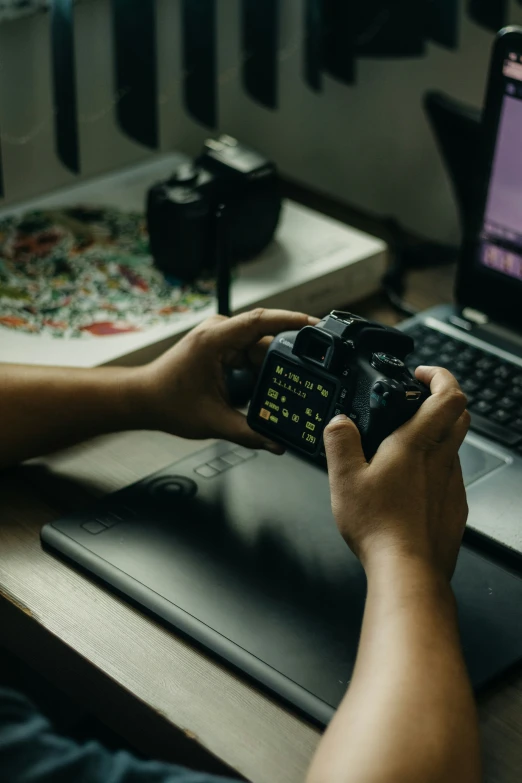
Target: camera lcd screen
{"x": 294, "y": 401}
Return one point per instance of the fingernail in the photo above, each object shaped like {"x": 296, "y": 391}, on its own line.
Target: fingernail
{"x": 313, "y": 321}
{"x": 340, "y": 417}
{"x": 274, "y": 448}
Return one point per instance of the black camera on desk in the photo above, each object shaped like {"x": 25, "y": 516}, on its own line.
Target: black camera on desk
{"x": 345, "y": 364}
{"x": 181, "y": 211}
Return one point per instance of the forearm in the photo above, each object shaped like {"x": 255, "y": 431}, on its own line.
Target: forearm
{"x": 43, "y": 409}
{"x": 409, "y": 713}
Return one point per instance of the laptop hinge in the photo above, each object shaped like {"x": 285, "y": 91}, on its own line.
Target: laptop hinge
{"x": 475, "y": 316}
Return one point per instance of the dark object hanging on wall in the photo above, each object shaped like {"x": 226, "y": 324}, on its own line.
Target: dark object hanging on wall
{"x": 181, "y": 211}
{"x": 458, "y": 132}
{"x": 260, "y": 41}
{"x": 443, "y": 22}
{"x": 390, "y": 29}
{"x": 339, "y": 40}
{"x": 199, "y": 60}
{"x": 2, "y": 191}
{"x": 457, "y": 128}
{"x": 313, "y": 44}
{"x": 492, "y": 14}
{"x": 64, "y": 84}
{"x": 134, "y": 31}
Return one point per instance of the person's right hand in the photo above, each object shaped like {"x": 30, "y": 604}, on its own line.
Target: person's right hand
{"x": 410, "y": 499}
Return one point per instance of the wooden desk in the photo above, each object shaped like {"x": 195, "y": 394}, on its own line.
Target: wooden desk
{"x": 168, "y": 698}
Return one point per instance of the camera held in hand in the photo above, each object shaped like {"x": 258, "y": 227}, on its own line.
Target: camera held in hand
{"x": 181, "y": 211}
{"x": 345, "y": 364}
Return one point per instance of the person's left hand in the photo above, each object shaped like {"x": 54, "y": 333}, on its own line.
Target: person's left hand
{"x": 184, "y": 391}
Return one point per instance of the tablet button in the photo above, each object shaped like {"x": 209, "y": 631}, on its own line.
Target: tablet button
{"x": 206, "y": 471}
{"x": 245, "y": 453}
{"x": 94, "y": 527}
{"x": 218, "y": 465}
{"x": 232, "y": 458}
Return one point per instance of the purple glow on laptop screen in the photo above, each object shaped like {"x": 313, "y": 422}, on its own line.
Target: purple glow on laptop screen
{"x": 501, "y": 245}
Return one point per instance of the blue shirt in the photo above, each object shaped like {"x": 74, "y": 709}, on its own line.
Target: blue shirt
{"x": 31, "y": 752}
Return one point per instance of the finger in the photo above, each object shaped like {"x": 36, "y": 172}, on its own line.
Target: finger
{"x": 233, "y": 427}
{"x": 457, "y": 490}
{"x": 344, "y": 454}
{"x": 257, "y": 352}
{"x": 243, "y": 330}
{"x": 461, "y": 429}
{"x": 437, "y": 378}
{"x": 437, "y": 416}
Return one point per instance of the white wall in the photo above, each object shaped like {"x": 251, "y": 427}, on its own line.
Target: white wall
{"x": 369, "y": 145}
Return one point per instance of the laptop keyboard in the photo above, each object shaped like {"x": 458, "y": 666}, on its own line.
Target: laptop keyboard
{"x": 493, "y": 386}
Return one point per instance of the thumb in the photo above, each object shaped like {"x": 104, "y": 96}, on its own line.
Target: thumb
{"x": 344, "y": 453}
{"x": 233, "y": 426}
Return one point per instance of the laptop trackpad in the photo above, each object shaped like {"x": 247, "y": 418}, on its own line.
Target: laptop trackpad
{"x": 477, "y": 463}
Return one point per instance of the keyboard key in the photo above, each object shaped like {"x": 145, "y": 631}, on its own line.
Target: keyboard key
{"x": 482, "y": 407}
{"x": 516, "y": 393}
{"x": 503, "y": 371}
{"x": 470, "y": 355}
{"x": 517, "y": 380}
{"x": 462, "y": 367}
{"x": 501, "y": 416}
{"x": 486, "y": 363}
{"x": 491, "y": 429}
{"x": 480, "y": 376}
{"x": 425, "y": 351}
{"x": 445, "y": 359}
{"x": 516, "y": 425}
{"x": 487, "y": 394}
{"x": 499, "y": 383}
{"x": 506, "y": 403}
{"x": 470, "y": 385}
{"x": 449, "y": 346}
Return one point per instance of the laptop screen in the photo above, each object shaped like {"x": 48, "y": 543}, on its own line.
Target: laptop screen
{"x": 501, "y": 236}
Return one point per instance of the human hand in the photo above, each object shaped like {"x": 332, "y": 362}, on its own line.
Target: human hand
{"x": 184, "y": 391}
{"x": 410, "y": 499}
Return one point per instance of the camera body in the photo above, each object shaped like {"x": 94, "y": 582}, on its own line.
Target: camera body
{"x": 345, "y": 364}
{"x": 181, "y": 211}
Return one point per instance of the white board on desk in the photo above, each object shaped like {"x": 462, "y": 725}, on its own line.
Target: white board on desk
{"x": 314, "y": 264}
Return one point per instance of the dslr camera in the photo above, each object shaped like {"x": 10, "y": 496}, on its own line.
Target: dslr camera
{"x": 181, "y": 212}
{"x": 345, "y": 364}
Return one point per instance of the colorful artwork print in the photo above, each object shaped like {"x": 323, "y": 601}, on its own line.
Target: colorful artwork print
{"x": 84, "y": 272}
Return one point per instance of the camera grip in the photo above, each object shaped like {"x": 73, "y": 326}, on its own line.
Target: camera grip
{"x": 240, "y": 387}
{"x": 388, "y": 409}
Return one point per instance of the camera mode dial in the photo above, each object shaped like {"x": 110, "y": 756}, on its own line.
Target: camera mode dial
{"x": 388, "y": 364}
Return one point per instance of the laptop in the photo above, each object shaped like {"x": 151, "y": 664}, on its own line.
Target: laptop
{"x": 480, "y": 338}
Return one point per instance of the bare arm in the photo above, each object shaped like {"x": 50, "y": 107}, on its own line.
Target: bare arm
{"x": 183, "y": 392}
{"x": 409, "y": 713}
{"x": 46, "y": 408}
